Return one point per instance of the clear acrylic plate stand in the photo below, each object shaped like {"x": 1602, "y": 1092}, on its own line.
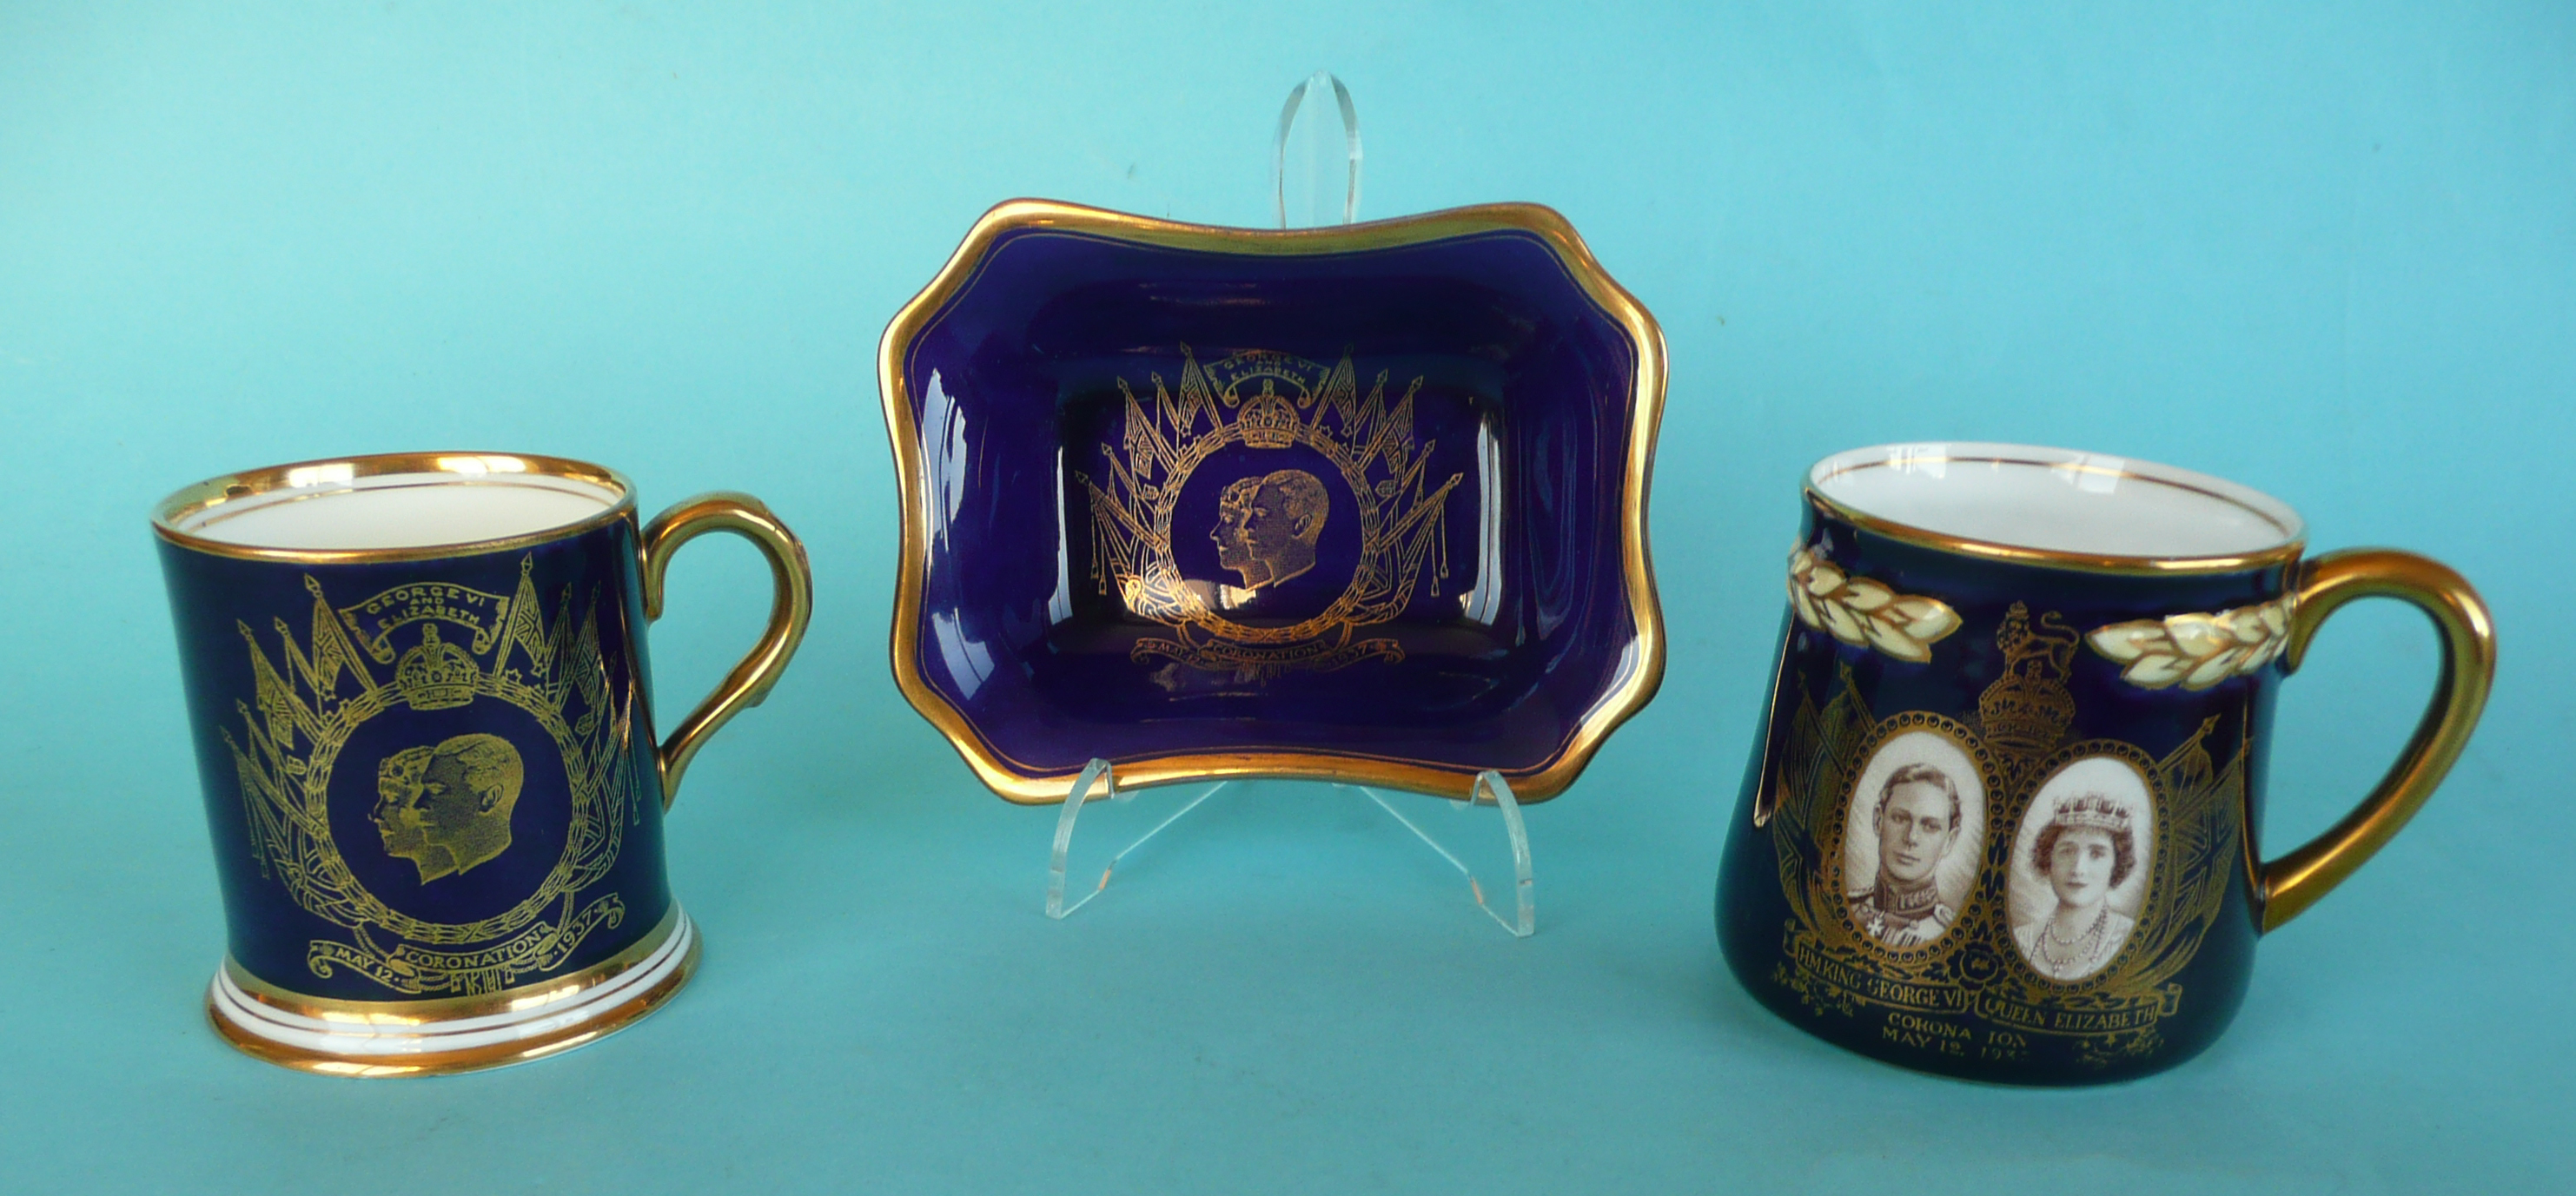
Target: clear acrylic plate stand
{"x": 1099, "y": 783}
{"x": 1315, "y": 179}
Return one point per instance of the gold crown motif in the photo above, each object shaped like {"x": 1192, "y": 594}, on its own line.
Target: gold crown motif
{"x": 1268, "y": 421}
{"x": 2028, "y": 709}
{"x": 436, "y": 675}
{"x": 2093, "y": 810}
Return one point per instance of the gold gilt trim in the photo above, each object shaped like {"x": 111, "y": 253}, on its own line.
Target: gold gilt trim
{"x": 2196, "y": 650}
{"x": 1020, "y": 782}
{"x": 791, "y": 610}
{"x": 2294, "y": 882}
{"x": 181, "y": 509}
{"x": 432, "y": 1010}
{"x": 1864, "y": 613}
{"x": 2293, "y": 532}
{"x": 429, "y": 1060}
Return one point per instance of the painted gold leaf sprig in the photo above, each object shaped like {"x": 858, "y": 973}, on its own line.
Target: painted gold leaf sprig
{"x": 2197, "y": 651}
{"x": 1865, "y": 613}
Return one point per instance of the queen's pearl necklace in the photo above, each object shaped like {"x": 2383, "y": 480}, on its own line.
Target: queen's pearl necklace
{"x": 2081, "y": 950}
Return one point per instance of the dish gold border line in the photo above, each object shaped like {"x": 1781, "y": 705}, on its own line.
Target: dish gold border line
{"x": 1020, "y": 783}
{"x": 215, "y": 492}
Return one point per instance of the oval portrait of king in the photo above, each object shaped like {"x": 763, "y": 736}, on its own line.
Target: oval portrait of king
{"x": 2079, "y": 867}
{"x": 1914, "y": 830}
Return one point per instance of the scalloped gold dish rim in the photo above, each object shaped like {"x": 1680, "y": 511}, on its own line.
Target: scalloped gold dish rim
{"x": 1022, "y": 783}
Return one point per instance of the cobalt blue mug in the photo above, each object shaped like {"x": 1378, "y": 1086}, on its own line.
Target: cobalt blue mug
{"x": 424, "y": 728}
{"x": 2002, "y": 820}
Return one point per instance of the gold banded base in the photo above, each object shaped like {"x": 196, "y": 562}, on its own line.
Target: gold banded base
{"x": 444, "y": 1035}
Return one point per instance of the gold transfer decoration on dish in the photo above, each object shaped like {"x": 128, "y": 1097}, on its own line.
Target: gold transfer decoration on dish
{"x": 1976, "y": 967}
{"x": 2197, "y": 651}
{"x": 444, "y": 807}
{"x": 1268, "y": 524}
{"x": 1864, "y": 613}
{"x": 902, "y": 396}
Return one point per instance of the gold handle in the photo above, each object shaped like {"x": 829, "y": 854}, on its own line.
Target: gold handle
{"x": 2295, "y": 881}
{"x": 789, "y": 612}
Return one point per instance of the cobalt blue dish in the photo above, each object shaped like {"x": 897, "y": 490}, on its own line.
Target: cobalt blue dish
{"x": 1362, "y": 503}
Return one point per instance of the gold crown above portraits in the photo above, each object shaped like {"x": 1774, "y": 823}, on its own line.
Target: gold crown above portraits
{"x": 1269, "y": 421}
{"x": 1270, "y": 400}
{"x": 2027, "y": 710}
{"x": 436, "y": 675}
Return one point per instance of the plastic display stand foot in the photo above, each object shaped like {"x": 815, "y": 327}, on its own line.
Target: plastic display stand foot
{"x": 1098, "y": 782}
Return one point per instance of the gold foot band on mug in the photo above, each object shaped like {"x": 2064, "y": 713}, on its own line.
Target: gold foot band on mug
{"x": 453, "y": 1034}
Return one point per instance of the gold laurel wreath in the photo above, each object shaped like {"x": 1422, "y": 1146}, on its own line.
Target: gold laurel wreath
{"x": 1864, "y": 613}
{"x": 2195, "y": 650}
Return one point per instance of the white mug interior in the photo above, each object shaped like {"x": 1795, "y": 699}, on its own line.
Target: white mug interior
{"x": 335, "y": 506}
{"x": 2055, "y": 500}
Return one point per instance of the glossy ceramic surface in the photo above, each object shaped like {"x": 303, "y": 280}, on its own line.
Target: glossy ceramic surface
{"x": 431, "y": 775}
{"x": 2002, "y": 820}
{"x": 1361, "y": 503}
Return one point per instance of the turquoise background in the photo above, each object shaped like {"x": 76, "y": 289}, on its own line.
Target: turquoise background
{"x": 2321, "y": 249}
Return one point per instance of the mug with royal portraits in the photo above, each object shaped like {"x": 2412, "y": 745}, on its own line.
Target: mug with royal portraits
{"x": 425, "y": 734}
{"x": 2003, "y": 819}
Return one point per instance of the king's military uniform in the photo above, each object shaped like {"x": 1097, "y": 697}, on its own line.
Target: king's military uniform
{"x": 1900, "y": 915}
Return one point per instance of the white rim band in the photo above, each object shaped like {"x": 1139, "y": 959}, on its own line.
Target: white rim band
{"x": 358, "y": 1036}
{"x": 2040, "y": 499}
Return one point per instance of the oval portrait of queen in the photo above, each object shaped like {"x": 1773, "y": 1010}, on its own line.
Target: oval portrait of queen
{"x": 1914, "y": 830}
{"x": 2079, "y": 867}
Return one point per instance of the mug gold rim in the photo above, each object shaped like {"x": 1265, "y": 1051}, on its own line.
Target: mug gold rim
{"x": 214, "y": 492}
{"x": 2284, "y": 553}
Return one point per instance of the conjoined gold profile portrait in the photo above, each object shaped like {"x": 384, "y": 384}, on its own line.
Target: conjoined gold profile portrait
{"x": 447, "y": 808}
{"x": 1266, "y": 527}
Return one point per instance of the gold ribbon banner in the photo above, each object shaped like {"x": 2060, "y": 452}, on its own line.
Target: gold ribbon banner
{"x": 1815, "y": 965}
{"x": 1823, "y": 975}
{"x": 416, "y": 970}
{"x": 1215, "y": 655}
{"x": 377, "y": 618}
{"x": 2091, "y": 1017}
